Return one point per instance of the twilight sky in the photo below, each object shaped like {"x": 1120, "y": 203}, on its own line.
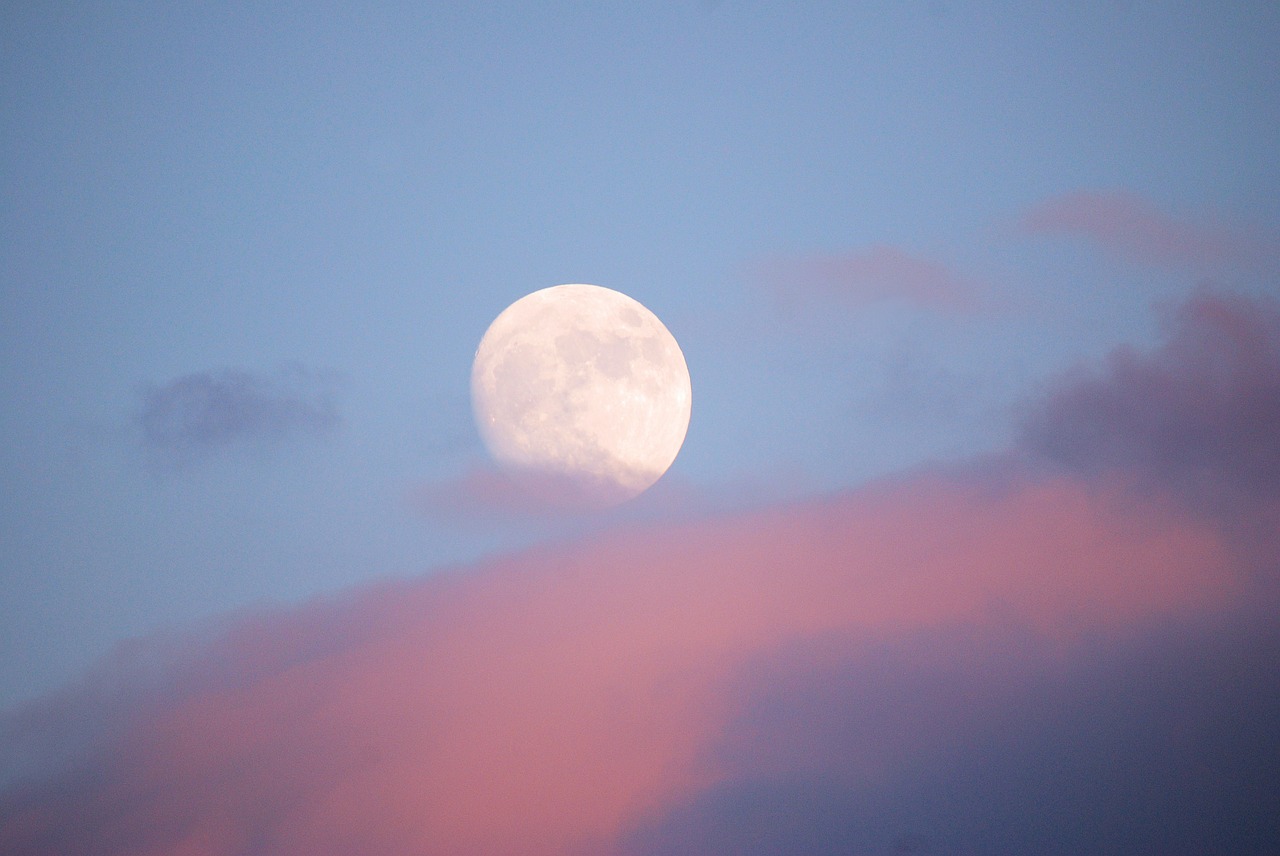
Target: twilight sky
{"x": 971, "y": 545}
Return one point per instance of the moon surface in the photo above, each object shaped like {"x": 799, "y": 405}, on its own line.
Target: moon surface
{"x": 582, "y": 394}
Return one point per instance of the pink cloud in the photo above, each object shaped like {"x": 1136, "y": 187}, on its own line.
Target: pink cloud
{"x": 632, "y": 692}
{"x": 876, "y": 274}
{"x": 549, "y": 702}
{"x": 1133, "y": 228}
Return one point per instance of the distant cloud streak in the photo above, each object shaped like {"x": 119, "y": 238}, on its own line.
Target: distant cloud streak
{"x": 483, "y": 494}
{"x": 1136, "y": 230}
{"x": 485, "y": 497}
{"x": 873, "y": 275}
{"x": 213, "y": 411}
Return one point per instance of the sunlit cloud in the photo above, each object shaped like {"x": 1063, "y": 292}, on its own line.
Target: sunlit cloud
{"x": 847, "y": 668}
{"x": 553, "y": 700}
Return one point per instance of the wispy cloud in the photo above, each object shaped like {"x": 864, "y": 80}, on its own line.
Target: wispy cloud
{"x": 213, "y": 411}
{"x": 972, "y": 660}
{"x": 873, "y": 275}
{"x": 484, "y": 496}
{"x": 1134, "y": 229}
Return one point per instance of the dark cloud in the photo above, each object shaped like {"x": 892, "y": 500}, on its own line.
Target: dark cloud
{"x": 994, "y": 742}
{"x": 213, "y": 411}
{"x": 1201, "y": 413}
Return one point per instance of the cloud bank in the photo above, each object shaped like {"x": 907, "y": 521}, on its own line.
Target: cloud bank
{"x": 1002, "y": 658}
{"x": 214, "y": 411}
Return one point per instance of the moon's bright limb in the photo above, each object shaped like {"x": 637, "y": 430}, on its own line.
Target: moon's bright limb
{"x": 582, "y": 390}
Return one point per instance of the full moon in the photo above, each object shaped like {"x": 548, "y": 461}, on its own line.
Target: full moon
{"x": 582, "y": 394}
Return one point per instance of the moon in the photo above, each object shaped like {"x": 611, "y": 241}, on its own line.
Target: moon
{"x": 581, "y": 394}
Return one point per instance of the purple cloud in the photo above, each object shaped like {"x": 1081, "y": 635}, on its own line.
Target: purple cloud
{"x": 1132, "y": 228}
{"x": 1201, "y": 412}
{"x": 995, "y": 742}
{"x": 213, "y": 411}
{"x": 876, "y": 274}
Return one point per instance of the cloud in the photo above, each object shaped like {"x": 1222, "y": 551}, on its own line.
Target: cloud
{"x": 485, "y": 496}
{"x": 988, "y": 741}
{"x": 213, "y": 411}
{"x": 874, "y": 275}
{"x": 1134, "y": 229}
{"x": 481, "y": 494}
{"x": 550, "y": 702}
{"x": 1201, "y": 412}
{"x": 991, "y": 659}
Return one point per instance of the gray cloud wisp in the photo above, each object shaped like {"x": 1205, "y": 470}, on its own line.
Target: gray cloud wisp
{"x": 215, "y": 411}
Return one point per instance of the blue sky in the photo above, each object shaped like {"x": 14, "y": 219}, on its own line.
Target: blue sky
{"x": 862, "y": 222}
{"x": 359, "y": 192}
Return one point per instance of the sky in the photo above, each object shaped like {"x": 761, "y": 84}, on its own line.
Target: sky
{"x": 970, "y": 547}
